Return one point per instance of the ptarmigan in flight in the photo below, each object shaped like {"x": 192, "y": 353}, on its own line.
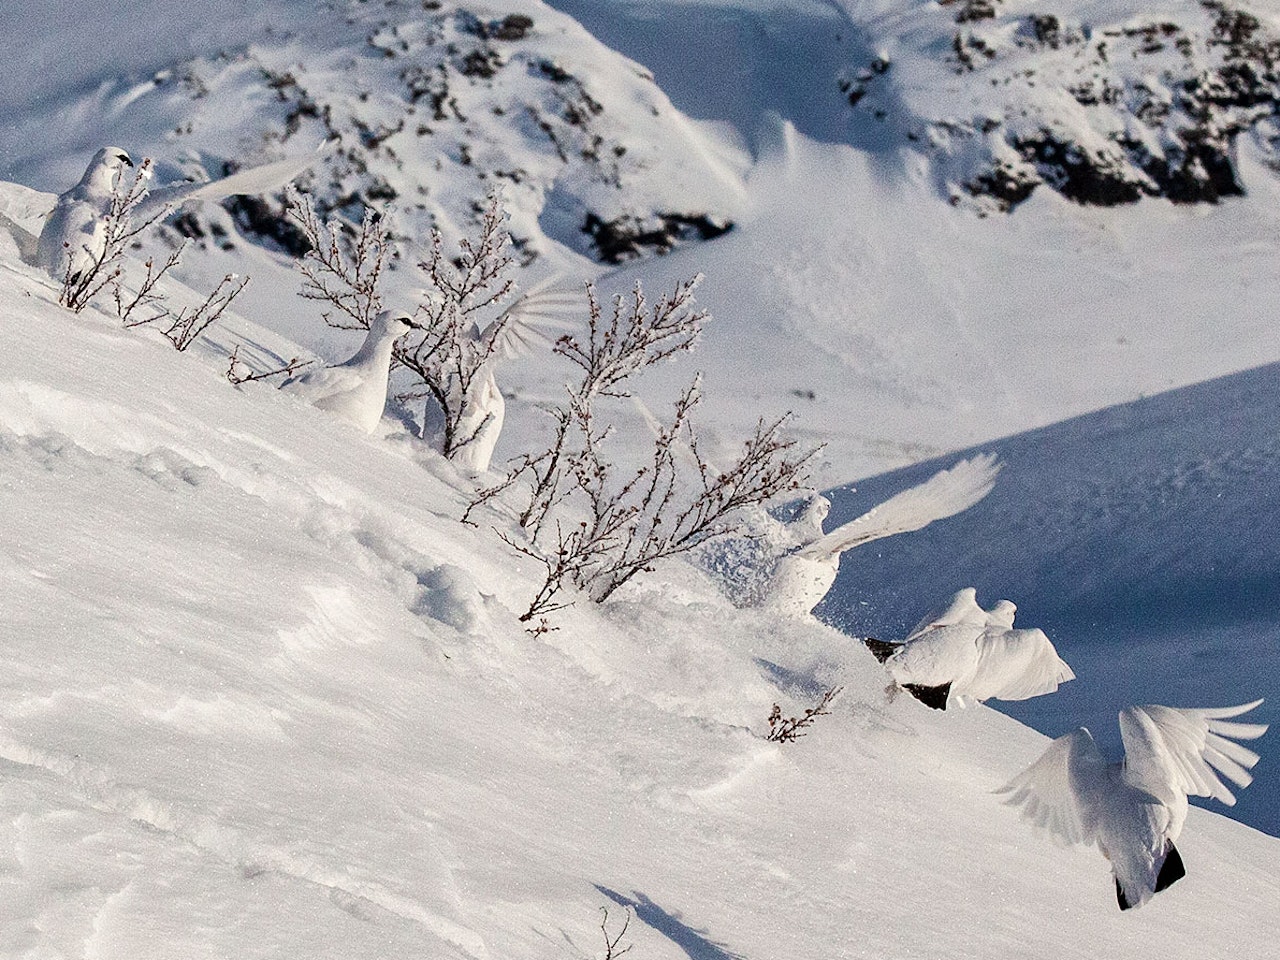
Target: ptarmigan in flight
{"x": 73, "y": 236}
{"x": 356, "y": 389}
{"x": 1134, "y": 810}
{"x": 804, "y": 576}
{"x": 965, "y": 652}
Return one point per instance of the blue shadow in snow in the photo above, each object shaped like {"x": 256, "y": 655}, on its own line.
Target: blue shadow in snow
{"x": 692, "y": 942}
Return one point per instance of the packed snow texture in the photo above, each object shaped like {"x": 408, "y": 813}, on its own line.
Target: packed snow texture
{"x": 264, "y": 696}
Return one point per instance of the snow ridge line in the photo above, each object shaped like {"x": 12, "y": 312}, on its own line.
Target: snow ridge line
{"x": 98, "y": 790}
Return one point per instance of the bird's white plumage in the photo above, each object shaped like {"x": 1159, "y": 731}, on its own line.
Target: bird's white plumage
{"x": 978, "y": 653}
{"x": 531, "y": 321}
{"x": 74, "y": 234}
{"x": 804, "y": 576}
{"x": 1134, "y": 810}
{"x": 355, "y": 390}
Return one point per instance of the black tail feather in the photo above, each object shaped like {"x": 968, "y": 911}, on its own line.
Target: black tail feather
{"x": 935, "y": 697}
{"x": 1172, "y": 870}
{"x": 881, "y": 650}
{"x": 1120, "y": 897}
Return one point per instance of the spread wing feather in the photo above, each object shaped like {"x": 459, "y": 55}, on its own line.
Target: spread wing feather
{"x": 945, "y": 494}
{"x": 1190, "y": 748}
{"x": 1059, "y": 792}
{"x": 254, "y": 180}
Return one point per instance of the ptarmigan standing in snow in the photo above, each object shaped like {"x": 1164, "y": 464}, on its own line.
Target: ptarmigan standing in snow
{"x": 964, "y": 651}
{"x": 528, "y": 322}
{"x": 1134, "y": 810}
{"x": 804, "y": 576}
{"x": 74, "y": 231}
{"x": 356, "y": 389}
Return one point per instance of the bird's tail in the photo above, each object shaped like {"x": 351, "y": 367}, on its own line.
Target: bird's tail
{"x": 880, "y": 649}
{"x": 1170, "y": 871}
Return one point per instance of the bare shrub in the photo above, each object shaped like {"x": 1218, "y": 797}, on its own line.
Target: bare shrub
{"x": 180, "y": 329}
{"x": 346, "y": 275}
{"x": 467, "y": 320}
{"x": 627, "y": 520}
{"x": 105, "y": 266}
{"x": 462, "y": 331}
{"x": 793, "y": 728}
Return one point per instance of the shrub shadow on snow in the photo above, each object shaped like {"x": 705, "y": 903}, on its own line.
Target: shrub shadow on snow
{"x": 693, "y": 942}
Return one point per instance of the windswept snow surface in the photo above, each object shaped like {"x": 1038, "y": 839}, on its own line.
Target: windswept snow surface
{"x": 264, "y": 696}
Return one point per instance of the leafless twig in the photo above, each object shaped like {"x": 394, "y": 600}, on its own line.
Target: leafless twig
{"x": 793, "y": 728}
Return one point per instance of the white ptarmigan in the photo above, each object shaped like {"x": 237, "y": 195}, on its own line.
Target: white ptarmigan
{"x": 1135, "y": 810}
{"x": 965, "y": 652}
{"x": 803, "y": 577}
{"x": 530, "y": 321}
{"x": 74, "y": 232}
{"x": 356, "y": 389}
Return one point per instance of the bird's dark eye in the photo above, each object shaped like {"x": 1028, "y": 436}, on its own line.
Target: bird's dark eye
{"x": 124, "y": 158}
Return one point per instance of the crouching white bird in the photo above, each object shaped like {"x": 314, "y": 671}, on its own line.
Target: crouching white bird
{"x": 804, "y": 576}
{"x": 356, "y": 389}
{"x": 964, "y": 651}
{"x": 74, "y": 233}
{"x": 1134, "y": 810}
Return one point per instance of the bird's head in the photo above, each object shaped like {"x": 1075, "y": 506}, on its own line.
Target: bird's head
{"x": 392, "y": 323}
{"x": 105, "y": 169}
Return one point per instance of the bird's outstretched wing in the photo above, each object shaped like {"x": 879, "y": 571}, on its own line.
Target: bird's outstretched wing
{"x": 1189, "y": 748}
{"x": 533, "y": 320}
{"x": 1059, "y": 792}
{"x": 944, "y": 494}
{"x": 254, "y": 180}
{"x": 1017, "y": 665}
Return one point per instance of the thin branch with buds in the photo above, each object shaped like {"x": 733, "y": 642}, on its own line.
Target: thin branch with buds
{"x": 347, "y": 276}
{"x": 238, "y": 376}
{"x": 105, "y": 267}
{"x": 793, "y": 728}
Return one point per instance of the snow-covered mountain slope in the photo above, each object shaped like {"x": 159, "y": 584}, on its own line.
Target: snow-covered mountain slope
{"x": 1143, "y": 538}
{"x": 1103, "y": 102}
{"x": 431, "y": 107}
{"x": 264, "y": 696}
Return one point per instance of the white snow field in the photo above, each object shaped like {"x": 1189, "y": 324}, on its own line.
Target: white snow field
{"x": 262, "y": 695}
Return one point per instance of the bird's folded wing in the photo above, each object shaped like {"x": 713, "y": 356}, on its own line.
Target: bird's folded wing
{"x": 1018, "y": 665}
{"x": 1189, "y": 748}
{"x": 254, "y": 180}
{"x": 320, "y": 382}
{"x": 1059, "y": 791}
{"x": 944, "y": 494}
